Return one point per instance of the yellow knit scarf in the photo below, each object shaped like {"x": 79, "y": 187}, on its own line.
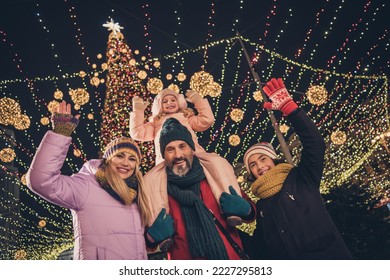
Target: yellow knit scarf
{"x": 271, "y": 182}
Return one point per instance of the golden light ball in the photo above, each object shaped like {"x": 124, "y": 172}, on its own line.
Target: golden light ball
{"x": 7, "y": 155}
{"x": 20, "y": 255}
{"x": 257, "y": 95}
{"x": 284, "y": 128}
{"x": 136, "y": 51}
{"x": 9, "y": 109}
{"x": 156, "y": 64}
{"x": 104, "y": 66}
{"x": 237, "y": 115}
{"x": 181, "y": 77}
{"x": 154, "y": 85}
{"x": 82, "y": 74}
{"x": 317, "y": 95}
{"x": 199, "y": 82}
{"x": 132, "y": 62}
{"x": 95, "y": 81}
{"x": 80, "y": 96}
{"x": 45, "y": 121}
{"x": 175, "y": 88}
{"x": 142, "y": 74}
{"x": 338, "y": 137}
{"x": 52, "y": 105}
{"x": 76, "y": 152}
{"x": 234, "y": 140}
{"x": 99, "y": 56}
{"x": 213, "y": 89}
{"x": 90, "y": 116}
{"x": 22, "y": 122}
{"x": 42, "y": 223}
{"x": 94, "y": 66}
{"x": 169, "y": 77}
{"x": 23, "y": 179}
{"x": 58, "y": 94}
{"x": 143, "y": 58}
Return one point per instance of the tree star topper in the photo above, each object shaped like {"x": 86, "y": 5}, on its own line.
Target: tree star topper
{"x": 112, "y": 26}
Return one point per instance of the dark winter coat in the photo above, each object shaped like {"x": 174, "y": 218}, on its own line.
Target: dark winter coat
{"x": 294, "y": 223}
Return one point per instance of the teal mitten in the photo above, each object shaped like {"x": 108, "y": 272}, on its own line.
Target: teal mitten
{"x": 162, "y": 228}
{"x": 234, "y": 205}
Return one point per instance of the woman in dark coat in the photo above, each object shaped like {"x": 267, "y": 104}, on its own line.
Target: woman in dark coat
{"x": 292, "y": 221}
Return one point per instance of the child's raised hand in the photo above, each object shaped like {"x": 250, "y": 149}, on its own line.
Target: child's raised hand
{"x": 139, "y": 104}
{"x": 193, "y": 96}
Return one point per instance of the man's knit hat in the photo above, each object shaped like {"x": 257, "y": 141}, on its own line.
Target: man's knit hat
{"x": 173, "y": 130}
{"x": 119, "y": 145}
{"x": 157, "y": 102}
{"x": 264, "y": 148}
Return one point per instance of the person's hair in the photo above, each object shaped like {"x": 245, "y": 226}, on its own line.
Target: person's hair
{"x": 121, "y": 188}
{"x": 251, "y": 178}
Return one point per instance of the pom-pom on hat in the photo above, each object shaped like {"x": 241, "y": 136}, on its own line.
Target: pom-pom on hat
{"x": 173, "y": 130}
{"x": 119, "y": 145}
{"x": 264, "y": 148}
{"x": 157, "y": 102}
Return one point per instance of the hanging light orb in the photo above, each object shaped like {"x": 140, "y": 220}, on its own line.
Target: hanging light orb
{"x": 23, "y": 179}
{"x": 7, "y": 155}
{"x": 42, "y": 223}
{"x": 199, "y": 82}
{"x": 58, "y": 94}
{"x": 132, "y": 62}
{"x": 45, "y": 120}
{"x": 237, "y": 115}
{"x": 284, "y": 128}
{"x": 52, "y": 105}
{"x": 79, "y": 96}
{"x": 9, "y": 109}
{"x": 99, "y": 56}
{"x": 317, "y": 95}
{"x": 22, "y": 122}
{"x": 175, "y": 88}
{"x": 154, "y": 85}
{"x": 257, "y": 96}
{"x": 82, "y": 74}
{"x": 213, "y": 89}
{"x": 156, "y": 64}
{"x": 95, "y": 81}
{"x": 181, "y": 77}
{"x": 234, "y": 140}
{"x": 76, "y": 152}
{"x": 169, "y": 77}
{"x": 90, "y": 116}
{"x": 20, "y": 255}
{"x": 76, "y": 106}
{"x": 338, "y": 137}
{"x": 147, "y": 67}
{"x": 104, "y": 66}
{"x": 136, "y": 52}
{"x": 142, "y": 74}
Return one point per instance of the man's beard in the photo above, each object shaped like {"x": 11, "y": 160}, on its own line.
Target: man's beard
{"x": 180, "y": 170}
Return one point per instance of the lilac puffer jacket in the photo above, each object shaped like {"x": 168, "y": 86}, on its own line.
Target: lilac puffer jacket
{"x": 103, "y": 227}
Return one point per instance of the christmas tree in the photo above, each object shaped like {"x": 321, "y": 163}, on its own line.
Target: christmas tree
{"x": 122, "y": 85}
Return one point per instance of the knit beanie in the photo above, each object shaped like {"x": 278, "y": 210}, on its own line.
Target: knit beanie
{"x": 119, "y": 145}
{"x": 264, "y": 148}
{"x": 157, "y": 102}
{"x": 173, "y": 130}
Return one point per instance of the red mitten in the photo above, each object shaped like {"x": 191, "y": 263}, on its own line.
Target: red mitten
{"x": 278, "y": 94}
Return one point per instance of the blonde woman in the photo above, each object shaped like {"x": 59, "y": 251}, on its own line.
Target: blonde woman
{"x": 106, "y": 197}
